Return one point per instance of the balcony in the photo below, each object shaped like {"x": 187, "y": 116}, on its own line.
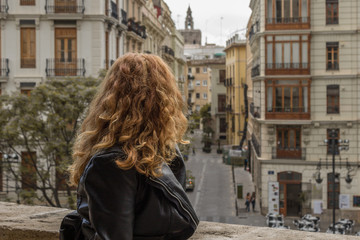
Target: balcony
{"x": 255, "y": 71}
{"x": 287, "y": 69}
{"x": 295, "y": 113}
{"x": 288, "y": 153}
{"x": 61, "y": 67}
{"x": 190, "y": 87}
{"x": 254, "y": 111}
{"x": 255, "y": 28}
{"x": 256, "y": 145}
{"x": 228, "y": 108}
{"x": 191, "y": 77}
{"x": 4, "y": 8}
{"x": 124, "y": 19}
{"x": 167, "y": 52}
{"x": 4, "y": 67}
{"x": 228, "y": 82}
{"x": 64, "y": 7}
{"x": 287, "y": 23}
{"x": 114, "y": 10}
{"x": 135, "y": 27}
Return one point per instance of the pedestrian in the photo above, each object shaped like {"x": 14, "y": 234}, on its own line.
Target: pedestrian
{"x": 245, "y": 164}
{"x": 247, "y": 202}
{"x": 193, "y": 150}
{"x": 128, "y": 168}
{"x": 252, "y": 200}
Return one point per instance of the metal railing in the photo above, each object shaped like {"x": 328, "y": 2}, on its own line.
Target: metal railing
{"x": 256, "y": 145}
{"x": 4, "y": 6}
{"x": 61, "y": 67}
{"x": 293, "y": 20}
{"x": 113, "y": 10}
{"x": 228, "y": 82}
{"x": 124, "y": 19}
{"x": 136, "y": 28}
{"x": 332, "y": 66}
{"x": 255, "y": 28}
{"x": 255, "y": 71}
{"x": 167, "y": 50}
{"x": 228, "y": 108}
{"x": 332, "y": 20}
{"x": 57, "y": 6}
{"x": 288, "y": 153}
{"x": 287, "y": 65}
{"x": 254, "y": 110}
{"x": 4, "y": 67}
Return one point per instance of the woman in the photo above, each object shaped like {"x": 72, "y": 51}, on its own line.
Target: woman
{"x": 247, "y": 202}
{"x": 253, "y": 199}
{"x": 129, "y": 171}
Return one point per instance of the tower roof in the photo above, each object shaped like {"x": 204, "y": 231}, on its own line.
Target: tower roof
{"x": 189, "y": 22}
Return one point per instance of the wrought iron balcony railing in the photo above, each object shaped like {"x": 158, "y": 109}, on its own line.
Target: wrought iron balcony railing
{"x": 287, "y": 65}
{"x": 65, "y": 67}
{"x": 256, "y": 145}
{"x": 288, "y": 153}
{"x": 64, "y": 6}
{"x": 113, "y": 10}
{"x": 254, "y": 29}
{"x": 124, "y": 19}
{"x": 254, "y": 110}
{"x": 167, "y": 50}
{"x": 4, "y": 6}
{"x": 293, "y": 20}
{"x": 255, "y": 71}
{"x": 4, "y": 67}
{"x": 136, "y": 28}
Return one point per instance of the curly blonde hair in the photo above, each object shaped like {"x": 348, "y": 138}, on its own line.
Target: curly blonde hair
{"x": 137, "y": 107}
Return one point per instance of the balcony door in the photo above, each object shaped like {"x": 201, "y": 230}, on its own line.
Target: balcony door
{"x": 65, "y": 52}
{"x": 290, "y": 189}
{"x": 288, "y": 142}
{"x": 65, "y": 6}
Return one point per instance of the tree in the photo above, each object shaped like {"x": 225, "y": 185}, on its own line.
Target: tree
{"x": 206, "y": 120}
{"x": 40, "y": 129}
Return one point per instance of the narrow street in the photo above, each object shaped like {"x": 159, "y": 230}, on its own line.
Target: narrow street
{"x": 214, "y": 196}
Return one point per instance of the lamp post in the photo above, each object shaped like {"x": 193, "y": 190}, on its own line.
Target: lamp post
{"x": 335, "y": 145}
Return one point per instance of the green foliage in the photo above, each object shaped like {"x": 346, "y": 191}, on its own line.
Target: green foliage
{"x": 45, "y": 122}
{"x": 206, "y": 120}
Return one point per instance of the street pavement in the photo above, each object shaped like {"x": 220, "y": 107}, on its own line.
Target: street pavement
{"x": 214, "y": 197}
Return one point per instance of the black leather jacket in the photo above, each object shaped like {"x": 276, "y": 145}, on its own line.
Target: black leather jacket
{"x": 118, "y": 204}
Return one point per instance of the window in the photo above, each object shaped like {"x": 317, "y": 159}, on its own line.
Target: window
{"x": 28, "y": 47}
{"x": 222, "y": 102}
{"x": 197, "y": 95}
{"x": 204, "y": 95}
{"x": 333, "y": 135}
{"x": 288, "y": 142}
{"x": 197, "y": 83}
{"x": 65, "y": 52}
{"x": 287, "y": 96}
{"x": 204, "y": 83}
{"x": 197, "y": 108}
{"x": 222, "y": 76}
{"x": 197, "y": 70}
{"x": 332, "y": 99}
{"x": 27, "y": 87}
{"x": 287, "y": 52}
{"x": 189, "y": 95}
{"x": 27, "y": 2}
{"x": 222, "y": 126}
{"x": 331, "y": 202}
{"x": 117, "y": 47}
{"x": 287, "y": 11}
{"x": 332, "y": 12}
{"x": 204, "y": 69}
{"x": 28, "y": 170}
{"x": 189, "y": 70}
{"x": 233, "y": 124}
{"x": 332, "y": 49}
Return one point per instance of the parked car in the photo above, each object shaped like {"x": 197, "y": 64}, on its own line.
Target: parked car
{"x": 190, "y": 181}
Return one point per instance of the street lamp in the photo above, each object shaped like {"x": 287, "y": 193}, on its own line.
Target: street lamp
{"x": 335, "y": 145}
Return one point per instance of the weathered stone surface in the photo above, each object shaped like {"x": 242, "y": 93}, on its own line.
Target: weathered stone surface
{"x": 21, "y": 222}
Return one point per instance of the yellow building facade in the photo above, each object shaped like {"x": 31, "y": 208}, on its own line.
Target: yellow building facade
{"x": 235, "y": 85}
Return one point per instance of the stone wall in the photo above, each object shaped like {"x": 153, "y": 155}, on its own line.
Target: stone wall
{"x": 20, "y": 222}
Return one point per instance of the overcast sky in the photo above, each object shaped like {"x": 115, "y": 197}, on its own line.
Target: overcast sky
{"x": 217, "y": 20}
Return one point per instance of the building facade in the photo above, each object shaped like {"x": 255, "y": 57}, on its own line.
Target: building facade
{"x": 305, "y": 74}
{"x": 236, "y": 91}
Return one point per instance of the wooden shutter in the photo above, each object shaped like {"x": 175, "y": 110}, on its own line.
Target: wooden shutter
{"x": 28, "y": 48}
{"x": 65, "y": 52}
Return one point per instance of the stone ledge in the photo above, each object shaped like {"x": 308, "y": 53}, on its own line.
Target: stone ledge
{"x": 20, "y": 222}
